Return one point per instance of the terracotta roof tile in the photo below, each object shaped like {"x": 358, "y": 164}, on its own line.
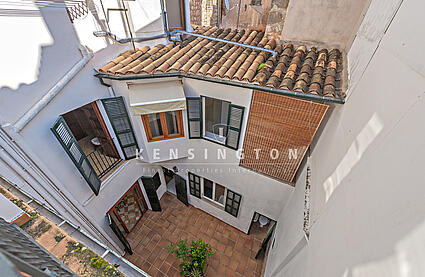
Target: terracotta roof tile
{"x": 294, "y": 68}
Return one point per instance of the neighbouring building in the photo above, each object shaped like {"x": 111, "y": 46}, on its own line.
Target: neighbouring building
{"x": 293, "y": 148}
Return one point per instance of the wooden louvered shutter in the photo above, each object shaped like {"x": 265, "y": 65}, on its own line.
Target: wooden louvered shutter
{"x": 234, "y": 126}
{"x": 194, "y": 116}
{"x": 65, "y": 137}
{"x": 120, "y": 121}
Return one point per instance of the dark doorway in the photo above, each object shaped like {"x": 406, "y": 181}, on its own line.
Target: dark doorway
{"x": 169, "y": 180}
{"x": 181, "y": 189}
{"x": 151, "y": 185}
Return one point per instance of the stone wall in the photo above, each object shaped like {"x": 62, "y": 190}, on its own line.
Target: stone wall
{"x": 203, "y": 12}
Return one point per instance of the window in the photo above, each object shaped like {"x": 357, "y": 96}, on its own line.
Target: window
{"x": 214, "y": 191}
{"x": 233, "y": 202}
{"x": 216, "y": 115}
{"x": 255, "y": 2}
{"x": 219, "y": 194}
{"x": 215, "y": 120}
{"x": 208, "y": 188}
{"x": 165, "y": 125}
{"x": 86, "y": 139}
{"x": 195, "y": 185}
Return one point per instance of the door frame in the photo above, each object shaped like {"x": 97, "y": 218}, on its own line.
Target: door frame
{"x": 176, "y": 177}
{"x": 144, "y": 208}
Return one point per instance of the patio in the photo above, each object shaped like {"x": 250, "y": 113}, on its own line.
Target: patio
{"x": 235, "y": 251}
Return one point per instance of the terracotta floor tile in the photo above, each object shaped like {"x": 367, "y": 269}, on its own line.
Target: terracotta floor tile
{"x": 165, "y": 267}
{"x": 155, "y": 231}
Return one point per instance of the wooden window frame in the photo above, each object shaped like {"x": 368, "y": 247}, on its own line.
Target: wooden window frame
{"x": 213, "y": 192}
{"x": 143, "y": 206}
{"x": 163, "y": 120}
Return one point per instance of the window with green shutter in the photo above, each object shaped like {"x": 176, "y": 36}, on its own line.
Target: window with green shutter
{"x": 65, "y": 137}
{"x": 195, "y": 185}
{"x": 215, "y": 120}
{"x": 233, "y": 201}
{"x": 234, "y": 126}
{"x": 118, "y": 116}
{"x": 194, "y": 116}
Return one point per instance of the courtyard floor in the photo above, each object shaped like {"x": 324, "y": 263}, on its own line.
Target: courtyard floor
{"x": 235, "y": 250}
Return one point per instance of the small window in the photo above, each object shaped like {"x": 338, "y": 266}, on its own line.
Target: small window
{"x": 233, "y": 202}
{"x": 195, "y": 185}
{"x": 165, "y": 125}
{"x": 214, "y": 191}
{"x": 219, "y": 194}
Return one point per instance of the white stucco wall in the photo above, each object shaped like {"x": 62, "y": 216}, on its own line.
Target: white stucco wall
{"x": 367, "y": 181}
{"x": 259, "y": 193}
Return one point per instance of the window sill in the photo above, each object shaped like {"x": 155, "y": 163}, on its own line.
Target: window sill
{"x": 213, "y": 203}
{"x": 162, "y": 138}
{"x": 215, "y": 138}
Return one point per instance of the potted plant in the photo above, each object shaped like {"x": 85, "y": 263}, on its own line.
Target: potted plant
{"x": 193, "y": 258}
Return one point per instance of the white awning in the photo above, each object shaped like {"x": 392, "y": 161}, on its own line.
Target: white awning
{"x": 156, "y": 97}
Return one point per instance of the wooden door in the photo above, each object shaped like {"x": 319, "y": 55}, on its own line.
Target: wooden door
{"x": 149, "y": 184}
{"x": 181, "y": 189}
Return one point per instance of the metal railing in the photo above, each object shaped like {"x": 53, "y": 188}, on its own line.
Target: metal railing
{"x": 101, "y": 162}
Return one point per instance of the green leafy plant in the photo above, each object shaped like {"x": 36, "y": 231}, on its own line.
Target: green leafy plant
{"x": 193, "y": 258}
{"x": 98, "y": 262}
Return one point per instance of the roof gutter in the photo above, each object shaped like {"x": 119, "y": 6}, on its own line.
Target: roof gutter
{"x": 225, "y": 82}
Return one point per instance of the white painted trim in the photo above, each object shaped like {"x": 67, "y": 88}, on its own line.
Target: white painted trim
{"x": 157, "y": 102}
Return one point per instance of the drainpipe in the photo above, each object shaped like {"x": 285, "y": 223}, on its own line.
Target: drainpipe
{"x": 274, "y": 53}
{"x": 31, "y": 169}
{"x": 164, "y": 18}
{"x": 55, "y": 90}
{"x": 126, "y": 40}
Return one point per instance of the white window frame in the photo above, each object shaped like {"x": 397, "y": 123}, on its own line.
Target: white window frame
{"x": 213, "y": 193}
{"x": 211, "y": 137}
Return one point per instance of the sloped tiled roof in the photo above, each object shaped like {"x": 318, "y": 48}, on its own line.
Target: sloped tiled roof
{"x": 295, "y": 68}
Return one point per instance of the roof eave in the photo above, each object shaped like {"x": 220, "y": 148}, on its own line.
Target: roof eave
{"x": 225, "y": 82}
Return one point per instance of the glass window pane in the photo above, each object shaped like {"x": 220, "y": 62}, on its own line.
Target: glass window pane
{"x": 172, "y": 122}
{"x": 136, "y": 191}
{"x": 219, "y": 193}
{"x": 155, "y": 125}
{"x": 208, "y": 188}
{"x": 237, "y": 198}
{"x": 216, "y": 114}
{"x": 230, "y": 194}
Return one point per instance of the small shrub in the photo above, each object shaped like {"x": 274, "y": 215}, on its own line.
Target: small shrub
{"x": 59, "y": 237}
{"x": 193, "y": 259}
{"x": 98, "y": 263}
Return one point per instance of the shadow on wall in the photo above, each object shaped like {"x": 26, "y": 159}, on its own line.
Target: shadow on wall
{"x": 373, "y": 223}
{"x": 354, "y": 154}
{"x": 41, "y": 46}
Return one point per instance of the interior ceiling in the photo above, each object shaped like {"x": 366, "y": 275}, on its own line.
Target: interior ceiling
{"x": 282, "y": 128}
